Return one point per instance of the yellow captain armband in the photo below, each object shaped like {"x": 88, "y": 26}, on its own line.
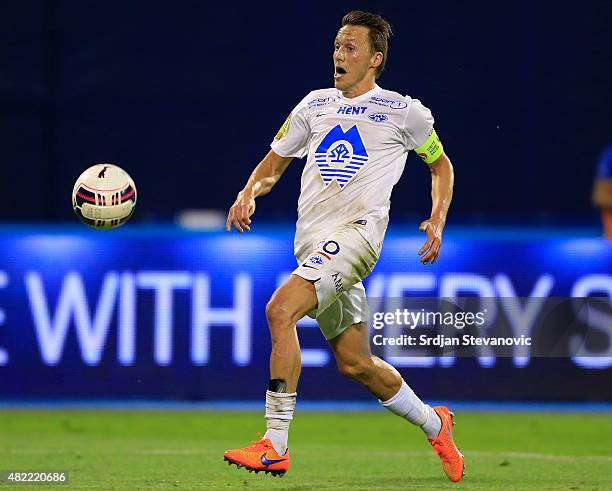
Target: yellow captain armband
{"x": 431, "y": 149}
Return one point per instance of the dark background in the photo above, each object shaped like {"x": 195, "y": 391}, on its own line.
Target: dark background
{"x": 186, "y": 96}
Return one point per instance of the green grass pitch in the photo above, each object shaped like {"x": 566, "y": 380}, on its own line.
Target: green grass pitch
{"x": 136, "y": 450}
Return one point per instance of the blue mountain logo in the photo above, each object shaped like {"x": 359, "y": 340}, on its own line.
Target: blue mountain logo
{"x": 341, "y": 155}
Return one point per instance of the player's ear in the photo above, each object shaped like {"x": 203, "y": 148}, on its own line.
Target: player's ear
{"x": 377, "y": 59}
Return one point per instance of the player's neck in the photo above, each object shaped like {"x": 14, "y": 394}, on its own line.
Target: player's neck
{"x": 359, "y": 89}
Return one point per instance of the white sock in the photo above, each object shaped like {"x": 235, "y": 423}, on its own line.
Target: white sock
{"x": 279, "y": 413}
{"x": 407, "y": 405}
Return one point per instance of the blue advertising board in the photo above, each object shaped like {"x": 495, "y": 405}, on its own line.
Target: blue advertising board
{"x": 165, "y": 314}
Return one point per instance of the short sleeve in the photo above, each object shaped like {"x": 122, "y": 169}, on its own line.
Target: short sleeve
{"x": 292, "y": 137}
{"x": 418, "y": 124}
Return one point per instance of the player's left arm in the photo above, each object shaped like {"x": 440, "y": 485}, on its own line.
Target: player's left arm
{"x": 421, "y": 137}
{"x": 442, "y": 181}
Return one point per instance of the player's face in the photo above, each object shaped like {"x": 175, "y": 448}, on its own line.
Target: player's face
{"x": 354, "y": 61}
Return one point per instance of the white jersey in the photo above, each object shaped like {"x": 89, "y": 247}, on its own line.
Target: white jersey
{"x": 356, "y": 152}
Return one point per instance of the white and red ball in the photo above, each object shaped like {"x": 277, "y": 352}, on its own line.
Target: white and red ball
{"x": 104, "y": 196}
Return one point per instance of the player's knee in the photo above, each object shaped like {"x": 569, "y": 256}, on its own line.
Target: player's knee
{"x": 278, "y": 315}
{"x": 358, "y": 369}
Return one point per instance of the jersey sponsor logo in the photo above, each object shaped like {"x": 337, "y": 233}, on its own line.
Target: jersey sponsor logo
{"x": 317, "y": 257}
{"x": 393, "y": 104}
{"x": 284, "y": 129}
{"x": 352, "y": 110}
{"x": 341, "y": 155}
{"x": 322, "y": 101}
{"x": 316, "y": 260}
{"x": 378, "y": 117}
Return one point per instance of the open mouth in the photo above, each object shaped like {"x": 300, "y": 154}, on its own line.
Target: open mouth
{"x": 339, "y": 72}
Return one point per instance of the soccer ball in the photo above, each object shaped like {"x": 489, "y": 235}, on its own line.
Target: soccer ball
{"x": 104, "y": 196}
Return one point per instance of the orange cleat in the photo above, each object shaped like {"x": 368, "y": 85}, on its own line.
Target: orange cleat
{"x": 444, "y": 446}
{"x": 259, "y": 456}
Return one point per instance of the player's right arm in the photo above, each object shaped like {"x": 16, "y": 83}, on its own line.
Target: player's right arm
{"x": 262, "y": 180}
{"x": 290, "y": 142}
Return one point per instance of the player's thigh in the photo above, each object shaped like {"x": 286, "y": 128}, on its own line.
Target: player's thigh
{"x": 292, "y": 300}
{"x": 351, "y": 345}
{"x": 349, "y": 308}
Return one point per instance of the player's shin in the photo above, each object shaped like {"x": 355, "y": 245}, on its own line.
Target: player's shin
{"x": 406, "y": 404}
{"x": 279, "y": 413}
{"x": 286, "y": 358}
{"x": 402, "y": 400}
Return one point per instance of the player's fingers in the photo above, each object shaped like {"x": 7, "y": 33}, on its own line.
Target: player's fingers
{"x": 243, "y": 217}
{"x": 247, "y": 214}
{"x": 230, "y": 219}
{"x": 236, "y": 224}
{"x": 250, "y": 209}
{"x": 423, "y": 226}
{"x": 425, "y": 259}
{"x": 426, "y": 247}
{"x": 435, "y": 255}
{"x": 243, "y": 224}
{"x": 431, "y": 253}
{"x": 246, "y": 217}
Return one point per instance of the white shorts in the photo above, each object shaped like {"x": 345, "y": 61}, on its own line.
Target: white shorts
{"x": 337, "y": 264}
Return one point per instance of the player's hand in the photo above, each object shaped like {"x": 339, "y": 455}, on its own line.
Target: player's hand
{"x": 431, "y": 248}
{"x": 241, "y": 211}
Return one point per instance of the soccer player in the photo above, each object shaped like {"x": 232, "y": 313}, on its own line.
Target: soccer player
{"x": 356, "y": 137}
